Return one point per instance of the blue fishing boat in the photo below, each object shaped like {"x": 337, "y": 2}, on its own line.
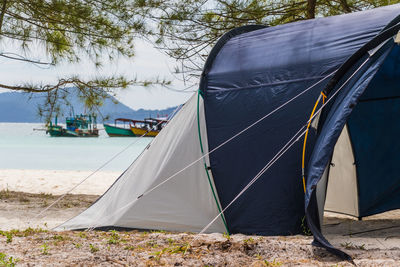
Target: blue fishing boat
{"x": 76, "y": 126}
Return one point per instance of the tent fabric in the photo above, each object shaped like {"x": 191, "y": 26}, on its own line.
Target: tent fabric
{"x": 185, "y": 203}
{"x": 303, "y": 50}
{"x": 333, "y": 125}
{"x": 342, "y": 194}
{"x": 374, "y": 140}
{"x": 251, "y": 75}
{"x": 321, "y": 193}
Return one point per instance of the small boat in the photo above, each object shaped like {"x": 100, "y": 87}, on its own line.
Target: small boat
{"x": 76, "y": 126}
{"x": 122, "y": 130}
{"x": 148, "y": 127}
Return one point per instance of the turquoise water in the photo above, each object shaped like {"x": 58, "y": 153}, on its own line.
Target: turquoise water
{"x": 23, "y": 147}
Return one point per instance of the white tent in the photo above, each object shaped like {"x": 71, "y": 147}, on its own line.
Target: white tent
{"x": 184, "y": 203}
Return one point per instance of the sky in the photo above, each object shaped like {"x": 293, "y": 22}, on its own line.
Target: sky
{"x": 148, "y": 63}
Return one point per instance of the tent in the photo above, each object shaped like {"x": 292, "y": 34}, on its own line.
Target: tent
{"x": 309, "y": 109}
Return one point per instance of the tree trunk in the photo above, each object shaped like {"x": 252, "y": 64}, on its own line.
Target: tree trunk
{"x": 311, "y": 9}
{"x": 345, "y": 6}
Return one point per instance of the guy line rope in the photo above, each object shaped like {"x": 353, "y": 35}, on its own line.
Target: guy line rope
{"x": 219, "y": 146}
{"x": 281, "y": 152}
{"x": 98, "y": 169}
{"x": 269, "y": 164}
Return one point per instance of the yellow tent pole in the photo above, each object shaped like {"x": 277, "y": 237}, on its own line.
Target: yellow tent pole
{"x": 305, "y": 139}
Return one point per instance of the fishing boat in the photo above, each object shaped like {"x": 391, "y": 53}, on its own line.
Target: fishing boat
{"x": 76, "y": 126}
{"x": 148, "y": 127}
{"x": 121, "y": 128}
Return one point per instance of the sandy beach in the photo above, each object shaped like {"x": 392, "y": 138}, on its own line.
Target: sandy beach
{"x": 56, "y": 182}
{"x": 374, "y": 241}
{"x": 47, "y": 184}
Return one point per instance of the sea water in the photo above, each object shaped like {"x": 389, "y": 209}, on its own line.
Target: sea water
{"x": 27, "y": 146}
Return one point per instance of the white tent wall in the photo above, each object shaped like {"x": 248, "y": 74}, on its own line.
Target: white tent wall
{"x": 184, "y": 203}
{"x": 342, "y": 195}
{"x": 321, "y": 193}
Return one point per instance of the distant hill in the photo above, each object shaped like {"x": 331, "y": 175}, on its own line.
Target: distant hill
{"x": 22, "y": 107}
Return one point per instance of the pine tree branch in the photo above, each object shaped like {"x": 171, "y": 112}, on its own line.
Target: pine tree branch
{"x": 3, "y": 11}
{"x": 21, "y": 58}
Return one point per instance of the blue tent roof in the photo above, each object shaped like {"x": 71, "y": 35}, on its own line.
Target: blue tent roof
{"x": 252, "y": 71}
{"x": 301, "y": 50}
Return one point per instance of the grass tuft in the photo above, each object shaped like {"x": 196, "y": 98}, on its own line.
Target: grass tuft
{"x": 7, "y": 261}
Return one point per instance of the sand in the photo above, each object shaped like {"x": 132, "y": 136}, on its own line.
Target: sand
{"x": 48, "y": 183}
{"x": 374, "y": 241}
{"x": 43, "y": 247}
{"x": 56, "y": 182}
{"x": 19, "y": 210}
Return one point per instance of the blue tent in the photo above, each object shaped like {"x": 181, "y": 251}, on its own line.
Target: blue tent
{"x": 286, "y": 119}
{"x": 252, "y": 71}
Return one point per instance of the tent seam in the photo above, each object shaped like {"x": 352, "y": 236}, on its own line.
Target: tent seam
{"x": 205, "y": 165}
{"x": 266, "y": 84}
